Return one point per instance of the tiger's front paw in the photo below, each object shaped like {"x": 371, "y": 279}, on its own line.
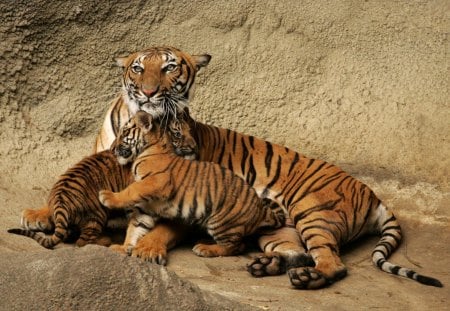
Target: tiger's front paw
{"x": 154, "y": 253}
{"x": 108, "y": 198}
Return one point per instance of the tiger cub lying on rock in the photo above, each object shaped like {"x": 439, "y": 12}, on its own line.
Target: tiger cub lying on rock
{"x": 172, "y": 187}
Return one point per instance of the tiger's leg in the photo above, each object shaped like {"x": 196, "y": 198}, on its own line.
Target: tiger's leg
{"x": 91, "y": 233}
{"x": 323, "y": 247}
{"x": 134, "y": 194}
{"x": 228, "y": 240}
{"x": 283, "y": 250}
{"x": 216, "y": 250}
{"x": 38, "y": 219}
{"x": 154, "y": 245}
{"x": 139, "y": 225}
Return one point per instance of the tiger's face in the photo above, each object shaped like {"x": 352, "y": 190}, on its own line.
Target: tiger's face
{"x": 160, "y": 80}
{"x": 142, "y": 131}
{"x": 129, "y": 142}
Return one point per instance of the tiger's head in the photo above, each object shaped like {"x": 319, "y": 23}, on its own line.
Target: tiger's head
{"x": 160, "y": 80}
{"x": 143, "y": 131}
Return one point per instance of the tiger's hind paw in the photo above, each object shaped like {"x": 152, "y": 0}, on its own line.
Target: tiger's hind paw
{"x": 265, "y": 265}
{"x": 37, "y": 220}
{"x": 306, "y": 278}
{"x": 311, "y": 278}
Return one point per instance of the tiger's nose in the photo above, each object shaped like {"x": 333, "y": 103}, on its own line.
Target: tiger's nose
{"x": 150, "y": 92}
{"x": 123, "y": 152}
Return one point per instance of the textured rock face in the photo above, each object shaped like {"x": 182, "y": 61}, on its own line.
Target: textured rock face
{"x": 89, "y": 278}
{"x": 361, "y": 84}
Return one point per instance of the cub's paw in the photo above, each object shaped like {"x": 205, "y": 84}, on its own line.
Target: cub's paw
{"x": 121, "y": 249}
{"x": 153, "y": 253}
{"x": 107, "y": 198}
{"x": 307, "y": 278}
{"x": 206, "y": 250}
{"x": 216, "y": 250}
{"x": 267, "y": 264}
{"x": 37, "y": 220}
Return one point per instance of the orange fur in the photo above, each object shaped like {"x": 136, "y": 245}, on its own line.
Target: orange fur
{"x": 71, "y": 203}
{"x": 171, "y": 187}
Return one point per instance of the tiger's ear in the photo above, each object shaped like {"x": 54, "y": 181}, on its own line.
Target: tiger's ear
{"x": 121, "y": 61}
{"x": 144, "y": 120}
{"x": 201, "y": 60}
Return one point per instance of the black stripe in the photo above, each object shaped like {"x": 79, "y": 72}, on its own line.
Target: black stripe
{"x": 268, "y": 158}
{"x": 251, "y": 175}
{"x": 390, "y": 228}
{"x": 277, "y": 174}
{"x": 251, "y": 141}
{"x": 380, "y": 262}
{"x": 293, "y": 163}
{"x": 245, "y": 154}
{"x": 394, "y": 269}
{"x": 397, "y": 240}
{"x": 392, "y": 218}
{"x": 327, "y": 206}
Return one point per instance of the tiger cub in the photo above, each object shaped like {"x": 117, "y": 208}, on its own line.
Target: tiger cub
{"x": 74, "y": 201}
{"x": 172, "y": 187}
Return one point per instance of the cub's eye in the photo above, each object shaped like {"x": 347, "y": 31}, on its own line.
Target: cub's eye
{"x": 137, "y": 69}
{"x": 170, "y": 67}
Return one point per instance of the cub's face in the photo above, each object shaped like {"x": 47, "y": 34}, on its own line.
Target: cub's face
{"x": 129, "y": 142}
{"x": 142, "y": 132}
{"x": 160, "y": 80}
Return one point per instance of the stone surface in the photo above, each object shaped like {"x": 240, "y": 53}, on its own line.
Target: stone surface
{"x": 95, "y": 278}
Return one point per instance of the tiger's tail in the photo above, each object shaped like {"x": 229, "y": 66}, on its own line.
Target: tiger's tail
{"x": 61, "y": 228}
{"x": 390, "y": 239}
{"x": 40, "y": 237}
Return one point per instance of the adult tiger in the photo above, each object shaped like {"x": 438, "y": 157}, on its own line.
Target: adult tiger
{"x": 158, "y": 80}
{"x": 328, "y": 207}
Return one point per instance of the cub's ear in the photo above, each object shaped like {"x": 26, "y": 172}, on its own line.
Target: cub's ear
{"x": 144, "y": 120}
{"x": 201, "y": 60}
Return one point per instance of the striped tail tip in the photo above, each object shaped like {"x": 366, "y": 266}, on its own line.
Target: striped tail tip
{"x": 426, "y": 280}
{"x": 16, "y": 231}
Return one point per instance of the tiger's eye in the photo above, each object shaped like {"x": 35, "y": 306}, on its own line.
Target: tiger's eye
{"x": 137, "y": 69}
{"x": 170, "y": 67}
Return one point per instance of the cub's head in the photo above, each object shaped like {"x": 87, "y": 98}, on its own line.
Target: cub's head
{"x": 143, "y": 131}
{"x": 160, "y": 80}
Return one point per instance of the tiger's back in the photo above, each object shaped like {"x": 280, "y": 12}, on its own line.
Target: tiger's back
{"x": 73, "y": 200}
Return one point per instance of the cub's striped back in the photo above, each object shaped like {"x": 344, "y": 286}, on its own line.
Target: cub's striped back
{"x": 74, "y": 202}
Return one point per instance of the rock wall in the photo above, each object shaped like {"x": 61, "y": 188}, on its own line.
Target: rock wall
{"x": 363, "y": 84}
